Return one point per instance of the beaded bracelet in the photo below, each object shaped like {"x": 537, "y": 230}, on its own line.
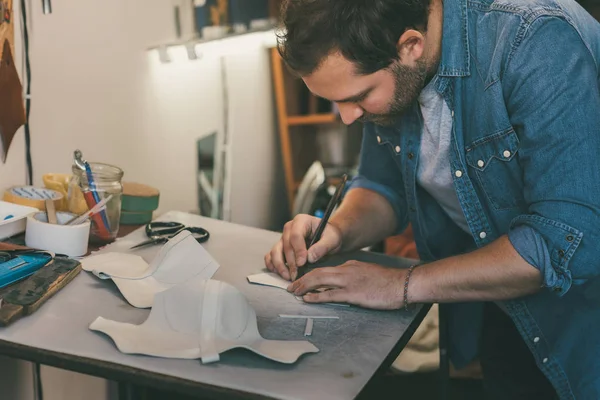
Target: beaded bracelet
{"x": 410, "y": 270}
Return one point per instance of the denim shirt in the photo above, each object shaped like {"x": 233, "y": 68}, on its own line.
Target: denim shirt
{"x": 522, "y": 81}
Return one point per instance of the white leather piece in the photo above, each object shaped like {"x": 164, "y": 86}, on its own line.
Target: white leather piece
{"x": 269, "y": 279}
{"x": 179, "y": 260}
{"x": 274, "y": 280}
{"x": 175, "y": 327}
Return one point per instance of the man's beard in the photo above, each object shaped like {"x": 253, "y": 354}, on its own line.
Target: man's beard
{"x": 408, "y": 81}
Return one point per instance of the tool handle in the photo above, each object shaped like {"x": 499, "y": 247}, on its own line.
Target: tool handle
{"x": 159, "y": 228}
{"x": 103, "y": 231}
{"x": 332, "y": 203}
{"x": 51, "y": 212}
{"x": 94, "y": 191}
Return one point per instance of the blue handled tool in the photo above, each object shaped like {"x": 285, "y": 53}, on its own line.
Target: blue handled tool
{"x": 90, "y": 178}
{"x": 85, "y": 166}
{"x": 18, "y": 264}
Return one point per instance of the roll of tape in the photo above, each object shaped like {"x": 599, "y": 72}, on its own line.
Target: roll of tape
{"x": 138, "y": 197}
{"x": 71, "y": 240}
{"x": 33, "y": 197}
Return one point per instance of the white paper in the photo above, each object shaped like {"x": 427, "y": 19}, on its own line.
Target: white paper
{"x": 181, "y": 259}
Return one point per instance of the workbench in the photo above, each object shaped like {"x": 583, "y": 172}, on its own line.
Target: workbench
{"x": 353, "y": 349}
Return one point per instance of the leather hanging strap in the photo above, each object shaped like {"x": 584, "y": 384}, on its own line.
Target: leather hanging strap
{"x": 12, "y": 112}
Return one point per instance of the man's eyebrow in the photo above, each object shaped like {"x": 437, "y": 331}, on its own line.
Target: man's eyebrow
{"x": 355, "y": 98}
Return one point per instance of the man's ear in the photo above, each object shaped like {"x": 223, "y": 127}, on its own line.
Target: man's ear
{"x": 411, "y": 46}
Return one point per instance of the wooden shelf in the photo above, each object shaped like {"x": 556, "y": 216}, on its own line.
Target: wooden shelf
{"x": 299, "y": 116}
{"x": 312, "y": 119}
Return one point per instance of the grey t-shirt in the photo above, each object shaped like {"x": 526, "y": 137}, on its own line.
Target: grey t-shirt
{"x": 433, "y": 173}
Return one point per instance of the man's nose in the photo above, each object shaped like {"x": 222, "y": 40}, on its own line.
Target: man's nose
{"x": 350, "y": 112}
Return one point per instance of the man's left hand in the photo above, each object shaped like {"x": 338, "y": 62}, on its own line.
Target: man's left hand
{"x": 362, "y": 284}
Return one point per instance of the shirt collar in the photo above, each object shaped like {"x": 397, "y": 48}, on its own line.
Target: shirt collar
{"x": 455, "y": 60}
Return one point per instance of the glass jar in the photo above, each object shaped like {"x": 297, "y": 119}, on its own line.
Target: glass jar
{"x": 82, "y": 197}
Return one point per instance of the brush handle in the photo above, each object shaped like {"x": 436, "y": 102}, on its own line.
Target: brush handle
{"x": 96, "y": 209}
{"x": 103, "y": 230}
{"x": 95, "y": 196}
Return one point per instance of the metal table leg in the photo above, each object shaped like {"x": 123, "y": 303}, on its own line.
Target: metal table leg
{"x": 444, "y": 371}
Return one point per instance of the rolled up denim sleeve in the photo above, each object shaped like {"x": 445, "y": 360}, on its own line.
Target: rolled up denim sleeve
{"x": 551, "y": 88}
{"x": 379, "y": 172}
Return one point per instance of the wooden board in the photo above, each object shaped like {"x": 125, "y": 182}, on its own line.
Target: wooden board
{"x": 27, "y": 296}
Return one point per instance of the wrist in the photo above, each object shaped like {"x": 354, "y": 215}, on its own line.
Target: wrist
{"x": 339, "y": 228}
{"x": 397, "y": 279}
{"x": 411, "y": 288}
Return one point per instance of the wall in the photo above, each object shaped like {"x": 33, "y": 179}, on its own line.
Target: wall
{"x": 96, "y": 88}
{"x": 170, "y": 134}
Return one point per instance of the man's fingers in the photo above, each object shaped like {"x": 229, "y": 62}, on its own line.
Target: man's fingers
{"x": 329, "y": 242}
{"x": 317, "y": 279}
{"x": 269, "y": 263}
{"x": 317, "y": 251}
{"x": 298, "y": 235}
{"x": 288, "y": 251}
{"x": 278, "y": 261}
{"x": 328, "y": 296}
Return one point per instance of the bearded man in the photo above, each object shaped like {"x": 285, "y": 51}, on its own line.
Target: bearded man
{"x": 481, "y": 129}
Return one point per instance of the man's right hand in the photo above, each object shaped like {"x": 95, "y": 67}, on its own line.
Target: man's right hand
{"x": 290, "y": 252}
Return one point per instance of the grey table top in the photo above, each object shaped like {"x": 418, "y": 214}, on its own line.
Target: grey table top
{"x": 352, "y": 349}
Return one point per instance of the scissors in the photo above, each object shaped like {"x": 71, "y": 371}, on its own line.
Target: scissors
{"x": 161, "y": 232}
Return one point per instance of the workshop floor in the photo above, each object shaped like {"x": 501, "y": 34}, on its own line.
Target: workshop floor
{"x": 423, "y": 386}
{"x": 390, "y": 387}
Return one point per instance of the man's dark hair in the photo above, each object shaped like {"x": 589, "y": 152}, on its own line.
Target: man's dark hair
{"x": 364, "y": 31}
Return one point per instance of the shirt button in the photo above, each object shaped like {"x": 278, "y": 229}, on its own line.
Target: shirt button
{"x": 483, "y": 235}
{"x": 458, "y": 173}
{"x": 378, "y": 139}
{"x": 397, "y": 149}
{"x": 536, "y": 339}
{"x": 506, "y": 153}
{"x": 410, "y": 156}
{"x": 452, "y": 113}
{"x": 480, "y": 163}
{"x": 545, "y": 360}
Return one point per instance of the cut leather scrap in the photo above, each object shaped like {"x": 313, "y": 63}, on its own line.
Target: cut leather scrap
{"x": 181, "y": 259}
{"x": 274, "y": 280}
{"x": 199, "y": 319}
{"x": 269, "y": 279}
